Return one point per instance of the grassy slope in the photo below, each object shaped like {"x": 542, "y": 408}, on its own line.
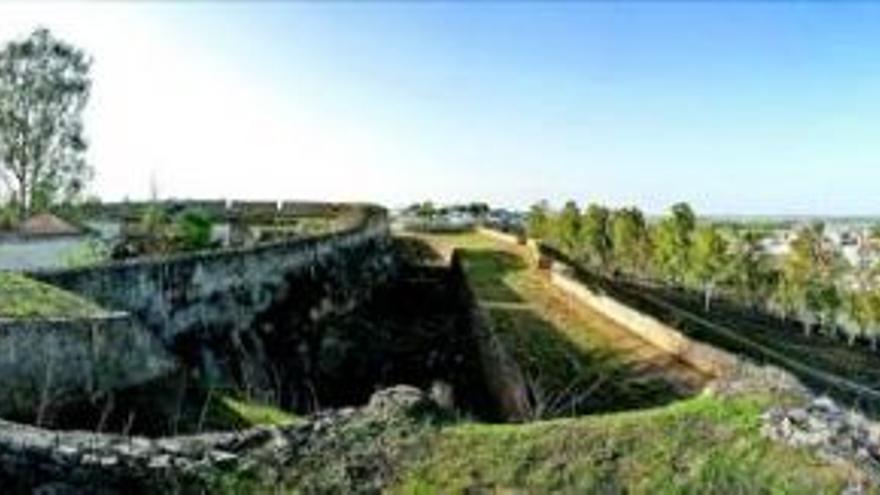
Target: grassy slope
{"x": 21, "y": 297}
{"x": 566, "y": 348}
{"x": 699, "y": 445}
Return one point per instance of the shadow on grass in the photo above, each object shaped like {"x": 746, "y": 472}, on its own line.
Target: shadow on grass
{"x": 566, "y": 379}
{"x": 564, "y": 376}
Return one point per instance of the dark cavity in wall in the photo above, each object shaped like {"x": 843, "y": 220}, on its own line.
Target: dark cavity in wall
{"x": 413, "y": 329}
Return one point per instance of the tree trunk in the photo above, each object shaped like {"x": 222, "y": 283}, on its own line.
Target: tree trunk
{"x": 707, "y": 298}
{"x": 807, "y": 327}
{"x": 22, "y": 200}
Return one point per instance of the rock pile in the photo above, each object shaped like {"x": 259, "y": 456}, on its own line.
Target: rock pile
{"x": 834, "y": 433}
{"x": 748, "y": 378}
{"x": 349, "y": 448}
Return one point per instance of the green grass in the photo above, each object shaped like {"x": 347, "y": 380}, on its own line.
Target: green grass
{"x": 579, "y": 361}
{"x": 21, "y": 297}
{"x": 699, "y": 446}
{"x": 249, "y": 413}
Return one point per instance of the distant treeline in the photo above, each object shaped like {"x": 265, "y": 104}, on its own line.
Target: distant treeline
{"x": 811, "y": 282}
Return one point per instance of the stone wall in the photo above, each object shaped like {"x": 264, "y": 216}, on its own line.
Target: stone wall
{"x": 703, "y": 357}
{"x": 501, "y": 374}
{"x": 219, "y": 208}
{"x": 342, "y": 451}
{"x": 46, "y": 363}
{"x": 229, "y": 289}
{"x": 247, "y": 318}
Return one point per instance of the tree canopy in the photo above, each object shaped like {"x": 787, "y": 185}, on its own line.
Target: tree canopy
{"x": 44, "y": 87}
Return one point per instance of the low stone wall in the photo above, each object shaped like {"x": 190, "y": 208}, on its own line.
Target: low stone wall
{"x": 265, "y": 459}
{"x": 219, "y": 209}
{"x": 501, "y": 373}
{"x": 703, "y": 357}
{"x": 46, "y": 363}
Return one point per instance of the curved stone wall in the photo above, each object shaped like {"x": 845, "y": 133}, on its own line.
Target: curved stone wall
{"x": 230, "y": 314}
{"x": 229, "y": 288}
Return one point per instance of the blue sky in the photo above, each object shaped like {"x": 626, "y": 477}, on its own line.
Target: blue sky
{"x": 737, "y": 108}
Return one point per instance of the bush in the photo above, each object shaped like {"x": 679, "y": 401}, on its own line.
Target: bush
{"x": 192, "y": 231}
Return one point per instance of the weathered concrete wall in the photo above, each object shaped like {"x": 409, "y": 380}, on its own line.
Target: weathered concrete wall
{"x": 703, "y": 357}
{"x": 229, "y": 289}
{"x": 248, "y": 317}
{"x": 501, "y": 374}
{"x": 46, "y": 363}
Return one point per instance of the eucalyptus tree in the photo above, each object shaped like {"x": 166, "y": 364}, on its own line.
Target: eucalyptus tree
{"x": 785, "y": 297}
{"x": 857, "y": 304}
{"x": 538, "y": 220}
{"x": 750, "y": 274}
{"x": 829, "y": 305}
{"x": 872, "y": 306}
{"x": 44, "y": 87}
{"x": 595, "y": 234}
{"x": 811, "y": 269}
{"x": 710, "y": 261}
{"x": 630, "y": 240}
{"x": 672, "y": 242}
{"x": 568, "y": 227}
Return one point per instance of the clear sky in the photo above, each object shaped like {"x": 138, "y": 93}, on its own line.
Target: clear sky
{"x": 737, "y": 108}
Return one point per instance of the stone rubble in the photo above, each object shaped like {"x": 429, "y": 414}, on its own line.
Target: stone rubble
{"x": 34, "y": 460}
{"x": 832, "y": 432}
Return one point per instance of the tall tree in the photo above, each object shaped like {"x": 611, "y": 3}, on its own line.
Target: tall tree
{"x": 750, "y": 276}
{"x": 44, "y": 87}
{"x": 872, "y": 306}
{"x": 596, "y": 235}
{"x": 709, "y": 261}
{"x": 630, "y": 240}
{"x": 568, "y": 227}
{"x": 857, "y": 305}
{"x": 538, "y": 221}
{"x": 811, "y": 268}
{"x": 784, "y": 297}
{"x": 673, "y": 239}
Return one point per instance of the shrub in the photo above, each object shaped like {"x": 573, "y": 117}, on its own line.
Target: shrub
{"x": 192, "y": 231}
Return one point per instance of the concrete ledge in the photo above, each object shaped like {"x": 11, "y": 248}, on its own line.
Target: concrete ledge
{"x": 703, "y": 357}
